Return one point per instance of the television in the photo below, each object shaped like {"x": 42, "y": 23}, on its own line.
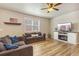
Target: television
{"x": 65, "y": 27}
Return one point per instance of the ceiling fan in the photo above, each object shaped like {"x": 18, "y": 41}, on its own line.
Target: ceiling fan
{"x": 51, "y": 6}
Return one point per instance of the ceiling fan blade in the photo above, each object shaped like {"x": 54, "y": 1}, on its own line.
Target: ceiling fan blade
{"x": 47, "y": 3}
{"x": 43, "y": 8}
{"x": 57, "y": 4}
{"x": 56, "y": 9}
{"x": 50, "y": 5}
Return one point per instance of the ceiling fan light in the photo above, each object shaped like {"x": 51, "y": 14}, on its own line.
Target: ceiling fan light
{"x": 50, "y": 9}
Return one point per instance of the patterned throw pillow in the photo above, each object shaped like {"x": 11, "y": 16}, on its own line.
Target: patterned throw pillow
{"x": 10, "y": 46}
{"x": 6, "y": 40}
{"x": 14, "y": 39}
{"x": 2, "y": 48}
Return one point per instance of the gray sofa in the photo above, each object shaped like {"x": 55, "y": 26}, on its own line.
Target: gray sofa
{"x": 24, "y": 50}
{"x": 28, "y": 38}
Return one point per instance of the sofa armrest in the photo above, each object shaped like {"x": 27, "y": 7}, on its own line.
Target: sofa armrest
{"x": 44, "y": 36}
{"x": 24, "y": 50}
{"x": 20, "y": 38}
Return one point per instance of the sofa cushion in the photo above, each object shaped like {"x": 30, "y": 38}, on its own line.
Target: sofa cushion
{"x": 6, "y": 40}
{"x": 27, "y": 34}
{"x": 10, "y": 46}
{"x": 25, "y": 50}
{"x": 2, "y": 48}
{"x": 20, "y": 43}
{"x": 30, "y": 37}
{"x": 39, "y": 34}
{"x": 14, "y": 39}
{"x": 34, "y": 35}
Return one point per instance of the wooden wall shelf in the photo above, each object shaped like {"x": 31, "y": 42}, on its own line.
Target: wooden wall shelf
{"x": 9, "y": 23}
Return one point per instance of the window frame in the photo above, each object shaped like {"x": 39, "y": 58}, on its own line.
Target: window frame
{"x": 32, "y": 25}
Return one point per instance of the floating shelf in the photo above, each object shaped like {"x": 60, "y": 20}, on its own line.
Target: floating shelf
{"x": 9, "y": 23}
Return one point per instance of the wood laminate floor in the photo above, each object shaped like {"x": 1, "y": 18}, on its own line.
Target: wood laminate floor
{"x": 54, "y": 48}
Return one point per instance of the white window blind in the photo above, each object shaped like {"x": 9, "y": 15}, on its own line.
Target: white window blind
{"x": 32, "y": 25}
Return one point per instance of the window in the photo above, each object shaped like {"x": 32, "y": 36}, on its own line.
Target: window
{"x": 32, "y": 25}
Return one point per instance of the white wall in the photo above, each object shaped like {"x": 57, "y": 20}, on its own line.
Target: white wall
{"x": 72, "y": 17}
{"x": 5, "y": 15}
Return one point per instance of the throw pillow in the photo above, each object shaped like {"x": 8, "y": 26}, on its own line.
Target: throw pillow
{"x": 33, "y": 35}
{"x": 10, "y": 46}
{"x": 20, "y": 43}
{"x": 6, "y": 40}
{"x": 14, "y": 39}
{"x": 2, "y": 48}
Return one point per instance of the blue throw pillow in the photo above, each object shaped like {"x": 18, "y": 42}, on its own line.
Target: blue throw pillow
{"x": 14, "y": 39}
{"x": 10, "y": 46}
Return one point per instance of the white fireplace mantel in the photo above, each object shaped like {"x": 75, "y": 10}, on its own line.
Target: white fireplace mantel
{"x": 72, "y": 37}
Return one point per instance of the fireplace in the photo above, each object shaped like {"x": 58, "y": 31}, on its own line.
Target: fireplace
{"x": 62, "y": 37}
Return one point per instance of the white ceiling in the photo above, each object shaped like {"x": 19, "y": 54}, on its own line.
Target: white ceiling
{"x": 34, "y": 8}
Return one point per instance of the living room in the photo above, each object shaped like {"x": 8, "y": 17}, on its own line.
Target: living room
{"x": 33, "y": 29}
{"x": 17, "y": 23}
